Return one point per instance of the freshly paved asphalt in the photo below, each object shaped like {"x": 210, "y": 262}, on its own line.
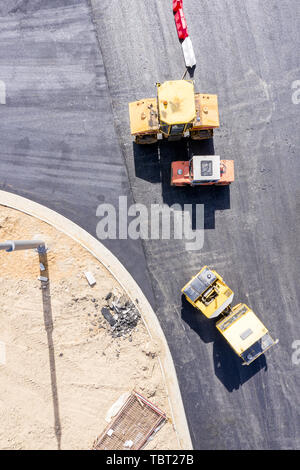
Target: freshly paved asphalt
{"x": 59, "y": 148}
{"x": 58, "y": 142}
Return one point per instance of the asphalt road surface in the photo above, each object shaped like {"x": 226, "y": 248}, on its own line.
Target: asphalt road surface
{"x": 59, "y": 147}
{"x": 58, "y": 142}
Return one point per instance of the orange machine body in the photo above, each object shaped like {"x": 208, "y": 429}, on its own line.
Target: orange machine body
{"x": 210, "y": 171}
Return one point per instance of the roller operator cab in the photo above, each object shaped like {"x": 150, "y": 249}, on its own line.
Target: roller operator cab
{"x": 202, "y": 170}
{"x": 239, "y": 325}
{"x": 176, "y": 112}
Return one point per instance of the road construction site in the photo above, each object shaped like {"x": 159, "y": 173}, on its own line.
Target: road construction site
{"x": 66, "y": 144}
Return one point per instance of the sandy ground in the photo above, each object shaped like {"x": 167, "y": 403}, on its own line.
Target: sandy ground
{"x": 62, "y": 371}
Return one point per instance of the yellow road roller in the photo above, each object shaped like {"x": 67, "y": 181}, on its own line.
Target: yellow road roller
{"x": 239, "y": 325}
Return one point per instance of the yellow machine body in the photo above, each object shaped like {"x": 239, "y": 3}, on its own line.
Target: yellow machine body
{"x": 144, "y": 116}
{"x": 176, "y": 102}
{"x": 207, "y": 111}
{"x": 176, "y": 112}
{"x": 208, "y": 292}
{"x": 239, "y": 325}
{"x": 245, "y": 333}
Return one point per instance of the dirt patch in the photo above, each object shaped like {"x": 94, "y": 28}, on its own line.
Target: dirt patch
{"x": 63, "y": 369}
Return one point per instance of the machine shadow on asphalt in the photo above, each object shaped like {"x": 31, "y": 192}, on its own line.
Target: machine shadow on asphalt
{"x": 146, "y": 162}
{"x": 228, "y": 367}
{"x": 153, "y": 164}
{"x": 48, "y": 323}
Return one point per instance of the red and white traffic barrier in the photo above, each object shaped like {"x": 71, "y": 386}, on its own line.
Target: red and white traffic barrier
{"x": 188, "y": 52}
{"x": 181, "y": 26}
{"x": 176, "y": 5}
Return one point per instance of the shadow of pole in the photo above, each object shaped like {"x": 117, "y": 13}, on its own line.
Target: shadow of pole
{"x": 48, "y": 322}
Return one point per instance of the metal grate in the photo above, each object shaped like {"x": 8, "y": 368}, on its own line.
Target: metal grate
{"x": 133, "y": 425}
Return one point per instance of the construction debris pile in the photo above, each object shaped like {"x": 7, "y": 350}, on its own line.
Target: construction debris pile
{"x": 121, "y": 314}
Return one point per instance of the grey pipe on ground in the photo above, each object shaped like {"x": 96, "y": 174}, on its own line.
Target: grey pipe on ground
{"x": 14, "y": 245}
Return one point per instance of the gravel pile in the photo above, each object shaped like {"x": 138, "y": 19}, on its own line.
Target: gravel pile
{"x": 121, "y": 315}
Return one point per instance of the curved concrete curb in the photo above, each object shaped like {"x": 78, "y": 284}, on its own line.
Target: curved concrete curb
{"x": 129, "y": 285}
